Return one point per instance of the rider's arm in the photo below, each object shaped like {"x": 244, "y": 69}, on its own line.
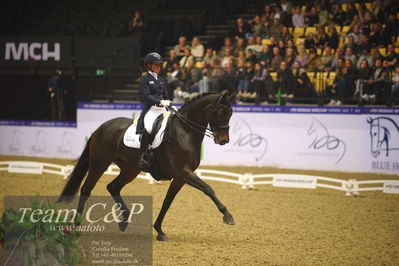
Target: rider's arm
{"x": 145, "y": 92}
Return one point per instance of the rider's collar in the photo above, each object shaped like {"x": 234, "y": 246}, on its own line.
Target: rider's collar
{"x": 155, "y": 75}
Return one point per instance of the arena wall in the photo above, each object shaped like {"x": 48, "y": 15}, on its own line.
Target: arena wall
{"x": 353, "y": 139}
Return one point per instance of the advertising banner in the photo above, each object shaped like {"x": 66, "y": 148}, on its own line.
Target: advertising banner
{"x": 352, "y": 139}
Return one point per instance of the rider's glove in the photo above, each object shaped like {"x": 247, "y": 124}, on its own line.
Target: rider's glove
{"x": 174, "y": 108}
{"x": 165, "y": 103}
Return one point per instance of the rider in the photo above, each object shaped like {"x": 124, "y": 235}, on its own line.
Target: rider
{"x": 153, "y": 93}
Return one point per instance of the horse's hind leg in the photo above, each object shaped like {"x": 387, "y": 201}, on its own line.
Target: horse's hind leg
{"x": 199, "y": 184}
{"x": 96, "y": 170}
{"x": 126, "y": 176}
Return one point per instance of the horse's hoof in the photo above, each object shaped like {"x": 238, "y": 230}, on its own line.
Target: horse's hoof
{"x": 228, "y": 219}
{"x": 162, "y": 237}
{"x": 122, "y": 226}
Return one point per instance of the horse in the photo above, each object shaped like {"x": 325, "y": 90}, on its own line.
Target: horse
{"x": 381, "y": 129}
{"x": 178, "y": 157}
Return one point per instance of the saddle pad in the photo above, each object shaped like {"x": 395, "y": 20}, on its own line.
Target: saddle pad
{"x": 132, "y": 140}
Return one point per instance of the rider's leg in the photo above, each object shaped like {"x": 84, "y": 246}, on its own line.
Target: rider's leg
{"x": 143, "y": 149}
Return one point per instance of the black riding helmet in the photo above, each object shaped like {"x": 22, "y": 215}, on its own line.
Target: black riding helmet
{"x": 152, "y": 58}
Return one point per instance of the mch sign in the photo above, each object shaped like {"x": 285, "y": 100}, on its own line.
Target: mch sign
{"x": 37, "y": 51}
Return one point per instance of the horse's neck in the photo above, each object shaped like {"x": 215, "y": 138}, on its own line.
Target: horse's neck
{"x": 196, "y": 112}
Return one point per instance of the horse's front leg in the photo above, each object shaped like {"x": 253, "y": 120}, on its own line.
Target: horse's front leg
{"x": 174, "y": 188}
{"x": 194, "y": 181}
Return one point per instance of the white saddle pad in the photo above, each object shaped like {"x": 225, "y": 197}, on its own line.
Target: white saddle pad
{"x": 131, "y": 139}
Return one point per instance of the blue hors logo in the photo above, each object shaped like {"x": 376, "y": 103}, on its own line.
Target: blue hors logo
{"x": 383, "y": 132}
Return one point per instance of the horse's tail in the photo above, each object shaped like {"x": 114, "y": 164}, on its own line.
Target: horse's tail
{"x": 77, "y": 175}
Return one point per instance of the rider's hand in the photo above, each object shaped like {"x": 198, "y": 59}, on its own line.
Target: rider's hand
{"x": 165, "y": 103}
{"x": 174, "y": 108}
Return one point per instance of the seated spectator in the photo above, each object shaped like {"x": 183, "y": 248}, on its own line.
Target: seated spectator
{"x": 290, "y": 57}
{"x": 312, "y": 18}
{"x": 228, "y": 44}
{"x": 377, "y": 10}
{"x": 291, "y": 44}
{"x": 282, "y": 47}
{"x": 351, "y": 44}
{"x": 285, "y": 82}
{"x": 285, "y": 35}
{"x": 227, "y": 58}
{"x": 209, "y": 55}
{"x": 313, "y": 60}
{"x": 258, "y": 46}
{"x": 310, "y": 40}
{"x": 251, "y": 44}
{"x": 241, "y": 55}
{"x": 197, "y": 49}
{"x": 321, "y": 37}
{"x": 265, "y": 56}
{"x": 375, "y": 37}
{"x": 268, "y": 12}
{"x": 338, "y": 15}
{"x": 395, "y": 84}
{"x": 259, "y": 81}
{"x": 391, "y": 59}
{"x": 193, "y": 77}
{"x": 276, "y": 60}
{"x": 256, "y": 25}
{"x": 302, "y": 56}
{"x": 286, "y": 6}
{"x": 241, "y": 30}
{"x": 351, "y": 13}
{"x": 229, "y": 81}
{"x": 349, "y": 55}
{"x": 339, "y": 54}
{"x": 354, "y": 21}
{"x": 324, "y": 16}
{"x": 376, "y": 86}
{"x": 297, "y": 17}
{"x": 170, "y": 61}
{"x": 363, "y": 76}
{"x": 364, "y": 43}
{"x": 325, "y": 61}
{"x": 365, "y": 56}
{"x": 250, "y": 56}
{"x": 244, "y": 89}
{"x": 174, "y": 79}
{"x": 332, "y": 90}
{"x": 275, "y": 29}
{"x": 181, "y": 46}
{"x": 391, "y": 29}
{"x": 346, "y": 82}
{"x": 265, "y": 33}
{"x": 187, "y": 57}
{"x": 355, "y": 33}
{"x": 214, "y": 74}
{"x": 303, "y": 87}
{"x": 239, "y": 47}
{"x": 333, "y": 38}
{"x": 375, "y": 54}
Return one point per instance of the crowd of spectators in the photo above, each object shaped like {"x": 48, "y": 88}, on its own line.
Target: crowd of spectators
{"x": 277, "y": 55}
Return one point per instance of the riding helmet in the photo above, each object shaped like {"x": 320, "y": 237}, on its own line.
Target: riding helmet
{"x": 152, "y": 58}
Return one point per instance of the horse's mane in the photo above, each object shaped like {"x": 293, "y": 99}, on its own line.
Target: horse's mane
{"x": 195, "y": 99}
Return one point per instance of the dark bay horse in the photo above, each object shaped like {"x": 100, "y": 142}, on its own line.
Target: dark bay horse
{"x": 177, "y": 158}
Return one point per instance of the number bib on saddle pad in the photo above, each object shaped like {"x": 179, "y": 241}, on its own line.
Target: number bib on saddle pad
{"x": 131, "y": 139}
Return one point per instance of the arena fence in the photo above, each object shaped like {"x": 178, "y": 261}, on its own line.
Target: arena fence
{"x": 351, "y": 187}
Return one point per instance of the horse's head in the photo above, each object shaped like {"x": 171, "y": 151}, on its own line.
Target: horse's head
{"x": 219, "y": 117}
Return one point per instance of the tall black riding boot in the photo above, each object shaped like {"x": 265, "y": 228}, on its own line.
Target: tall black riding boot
{"x": 143, "y": 163}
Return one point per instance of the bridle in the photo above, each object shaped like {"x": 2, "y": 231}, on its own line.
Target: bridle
{"x": 209, "y": 129}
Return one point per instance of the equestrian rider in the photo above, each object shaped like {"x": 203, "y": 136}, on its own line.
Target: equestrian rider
{"x": 154, "y": 95}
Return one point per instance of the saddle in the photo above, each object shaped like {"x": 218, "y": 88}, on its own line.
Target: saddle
{"x": 159, "y": 133}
